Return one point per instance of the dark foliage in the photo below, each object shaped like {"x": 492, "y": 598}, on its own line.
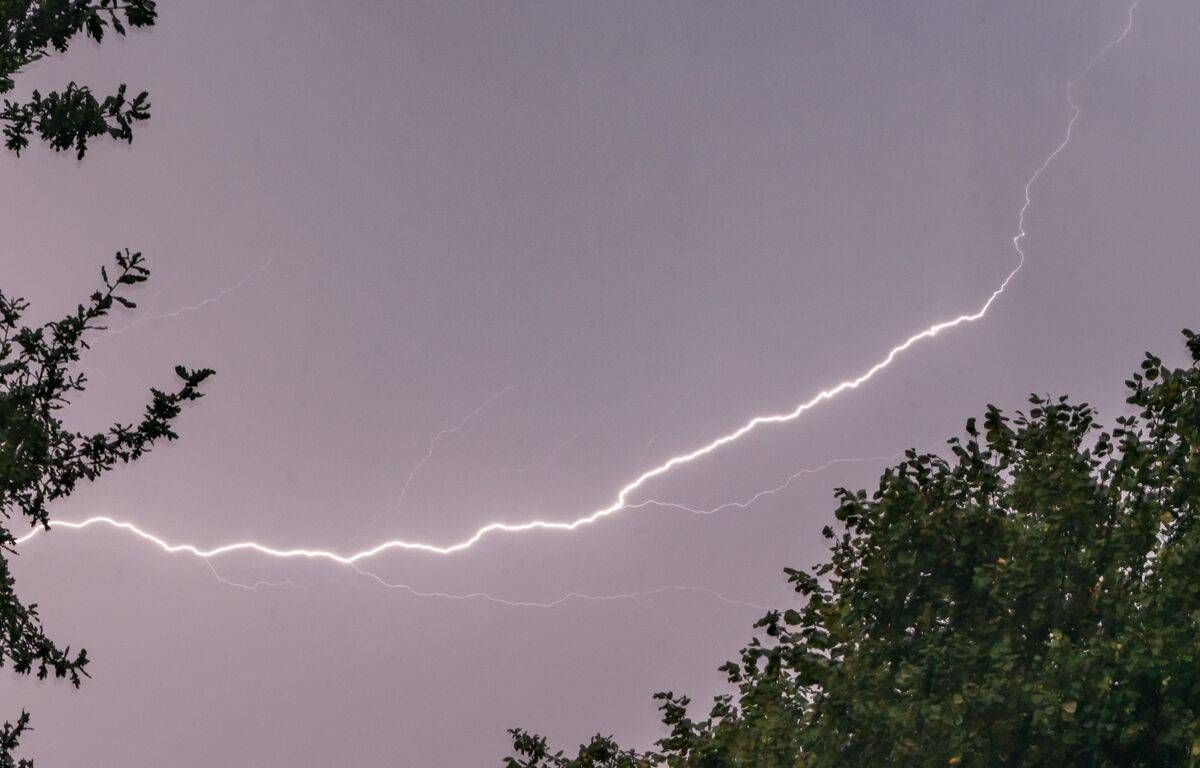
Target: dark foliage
{"x": 42, "y": 461}
{"x": 66, "y": 119}
{"x": 1030, "y": 600}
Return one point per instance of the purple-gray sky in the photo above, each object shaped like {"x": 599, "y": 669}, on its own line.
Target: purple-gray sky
{"x": 657, "y": 219}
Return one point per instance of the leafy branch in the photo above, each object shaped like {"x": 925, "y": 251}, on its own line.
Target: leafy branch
{"x": 31, "y": 30}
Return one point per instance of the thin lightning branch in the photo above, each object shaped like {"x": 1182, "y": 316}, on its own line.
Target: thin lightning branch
{"x": 570, "y": 596}
{"x": 674, "y": 624}
{"x": 621, "y": 500}
{"x": 633, "y": 596}
{"x": 450, "y": 431}
{"x": 248, "y": 587}
{"x": 1075, "y": 112}
{"x": 545, "y": 462}
{"x": 649, "y": 444}
{"x": 747, "y": 503}
{"x": 193, "y": 307}
{"x": 679, "y": 401}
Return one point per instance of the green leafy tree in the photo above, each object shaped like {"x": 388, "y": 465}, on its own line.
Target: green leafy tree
{"x": 1032, "y": 599}
{"x": 41, "y": 460}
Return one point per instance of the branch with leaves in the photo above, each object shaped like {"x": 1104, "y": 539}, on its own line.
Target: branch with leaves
{"x": 41, "y": 461}
{"x": 31, "y": 30}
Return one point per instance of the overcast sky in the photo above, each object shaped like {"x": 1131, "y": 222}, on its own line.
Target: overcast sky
{"x": 623, "y": 228}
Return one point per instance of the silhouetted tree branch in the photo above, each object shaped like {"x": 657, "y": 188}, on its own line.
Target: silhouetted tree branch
{"x": 42, "y": 461}
{"x": 69, "y": 118}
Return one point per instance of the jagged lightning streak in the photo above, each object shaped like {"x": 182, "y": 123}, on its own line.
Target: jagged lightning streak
{"x": 192, "y": 307}
{"x": 622, "y": 498}
{"x": 634, "y": 596}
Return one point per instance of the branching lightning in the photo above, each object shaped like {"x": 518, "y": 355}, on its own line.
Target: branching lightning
{"x": 619, "y": 503}
{"x": 486, "y": 597}
{"x": 622, "y": 500}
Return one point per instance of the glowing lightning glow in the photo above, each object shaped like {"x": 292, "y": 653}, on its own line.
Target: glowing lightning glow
{"x": 621, "y": 501}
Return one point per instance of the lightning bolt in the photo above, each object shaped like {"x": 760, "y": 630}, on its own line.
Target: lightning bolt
{"x": 634, "y": 596}
{"x": 622, "y": 499}
{"x": 176, "y": 314}
{"x": 619, "y": 503}
{"x": 351, "y": 560}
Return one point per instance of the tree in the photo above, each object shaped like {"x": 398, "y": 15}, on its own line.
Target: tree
{"x": 66, "y": 119}
{"x": 1032, "y": 599}
{"x": 41, "y": 461}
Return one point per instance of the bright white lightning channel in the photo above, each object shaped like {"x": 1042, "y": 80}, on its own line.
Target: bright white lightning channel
{"x": 622, "y": 499}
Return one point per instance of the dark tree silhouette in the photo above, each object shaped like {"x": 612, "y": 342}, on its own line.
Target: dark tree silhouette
{"x": 41, "y": 460}
{"x": 33, "y": 30}
{"x": 1030, "y": 600}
